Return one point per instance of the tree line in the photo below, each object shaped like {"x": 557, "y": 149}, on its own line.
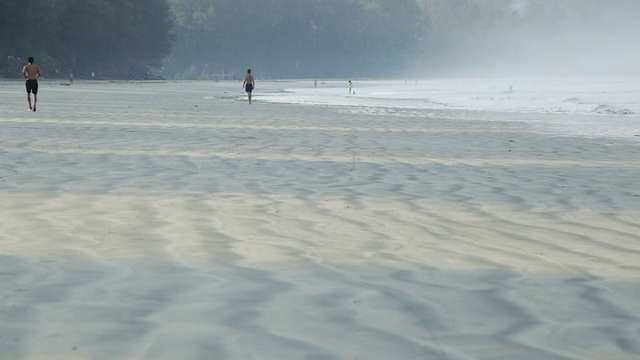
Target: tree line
{"x": 111, "y": 38}
{"x": 293, "y": 38}
{"x": 297, "y": 38}
{"x": 400, "y": 38}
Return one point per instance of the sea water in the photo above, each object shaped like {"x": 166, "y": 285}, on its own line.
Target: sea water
{"x": 564, "y": 106}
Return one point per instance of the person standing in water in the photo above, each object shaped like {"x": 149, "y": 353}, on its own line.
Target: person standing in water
{"x": 31, "y": 72}
{"x": 248, "y": 84}
{"x": 350, "y": 86}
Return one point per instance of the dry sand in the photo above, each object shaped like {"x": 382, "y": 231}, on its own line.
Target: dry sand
{"x": 175, "y": 221}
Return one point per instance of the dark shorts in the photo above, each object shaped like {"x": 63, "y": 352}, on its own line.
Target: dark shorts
{"x": 32, "y": 86}
{"x": 248, "y": 87}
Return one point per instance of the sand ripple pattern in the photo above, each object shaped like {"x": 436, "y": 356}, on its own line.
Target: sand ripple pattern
{"x": 173, "y": 220}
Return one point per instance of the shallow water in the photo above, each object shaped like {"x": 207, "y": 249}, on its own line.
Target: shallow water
{"x": 587, "y": 107}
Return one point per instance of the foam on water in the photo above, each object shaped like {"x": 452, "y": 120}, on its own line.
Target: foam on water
{"x": 587, "y": 106}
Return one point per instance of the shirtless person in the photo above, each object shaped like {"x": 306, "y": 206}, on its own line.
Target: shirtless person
{"x": 31, "y": 72}
{"x": 248, "y": 84}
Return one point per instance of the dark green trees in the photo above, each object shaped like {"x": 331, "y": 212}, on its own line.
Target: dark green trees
{"x": 298, "y": 38}
{"x": 311, "y": 38}
{"x": 112, "y": 38}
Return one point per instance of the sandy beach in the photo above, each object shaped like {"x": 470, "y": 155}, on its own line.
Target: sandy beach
{"x": 173, "y": 220}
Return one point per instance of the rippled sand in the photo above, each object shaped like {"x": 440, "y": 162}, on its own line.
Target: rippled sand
{"x": 175, "y": 221}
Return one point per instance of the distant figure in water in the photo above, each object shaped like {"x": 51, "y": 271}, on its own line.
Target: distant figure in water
{"x": 315, "y": 83}
{"x": 248, "y": 84}
{"x": 350, "y": 86}
{"x": 31, "y": 72}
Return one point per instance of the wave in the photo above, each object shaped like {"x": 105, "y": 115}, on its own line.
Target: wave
{"x": 609, "y": 110}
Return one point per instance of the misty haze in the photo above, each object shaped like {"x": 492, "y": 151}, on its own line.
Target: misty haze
{"x": 208, "y": 39}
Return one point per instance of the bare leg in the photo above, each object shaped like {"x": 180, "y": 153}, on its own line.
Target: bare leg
{"x": 29, "y": 100}
{"x": 249, "y": 98}
{"x": 35, "y": 101}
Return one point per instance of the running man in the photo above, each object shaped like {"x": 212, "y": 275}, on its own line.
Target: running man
{"x": 31, "y": 72}
{"x": 248, "y": 84}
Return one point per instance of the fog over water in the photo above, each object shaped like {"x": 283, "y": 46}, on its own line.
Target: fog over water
{"x": 583, "y": 49}
{"x": 590, "y": 38}
{"x": 542, "y": 37}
